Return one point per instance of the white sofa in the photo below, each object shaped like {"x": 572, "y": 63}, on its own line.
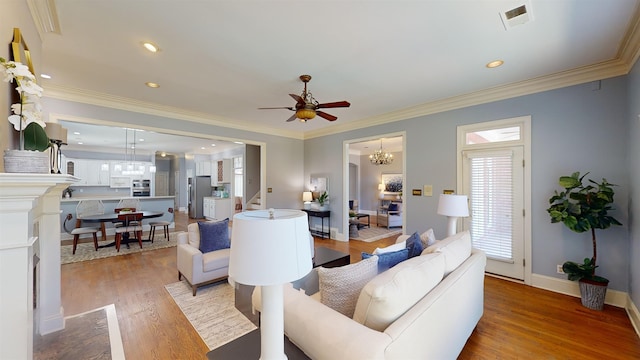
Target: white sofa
{"x": 199, "y": 269}
{"x": 437, "y": 326}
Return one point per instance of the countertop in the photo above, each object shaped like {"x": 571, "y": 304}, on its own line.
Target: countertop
{"x": 113, "y": 198}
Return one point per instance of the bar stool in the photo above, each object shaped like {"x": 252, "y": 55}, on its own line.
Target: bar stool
{"x": 84, "y": 230}
{"x": 163, "y": 223}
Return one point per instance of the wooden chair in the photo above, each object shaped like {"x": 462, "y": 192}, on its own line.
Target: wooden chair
{"x": 165, "y": 226}
{"x": 118, "y": 223}
{"x": 84, "y": 230}
{"x": 130, "y": 224}
{"x": 90, "y": 207}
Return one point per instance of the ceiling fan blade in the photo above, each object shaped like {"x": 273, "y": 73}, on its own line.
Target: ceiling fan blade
{"x": 281, "y": 107}
{"x": 297, "y": 98}
{"x": 324, "y": 115}
{"x": 333, "y": 105}
{"x": 293, "y": 117}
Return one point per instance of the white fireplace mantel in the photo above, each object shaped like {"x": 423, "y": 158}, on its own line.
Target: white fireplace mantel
{"x": 29, "y": 225}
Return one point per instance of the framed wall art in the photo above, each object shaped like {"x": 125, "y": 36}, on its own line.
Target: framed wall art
{"x": 392, "y": 182}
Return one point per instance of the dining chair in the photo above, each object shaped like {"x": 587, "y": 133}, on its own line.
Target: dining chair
{"x": 84, "y": 230}
{"x": 131, "y": 224}
{"x": 165, "y": 226}
{"x": 90, "y": 207}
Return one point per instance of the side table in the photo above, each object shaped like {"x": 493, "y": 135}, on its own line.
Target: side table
{"x": 322, "y": 214}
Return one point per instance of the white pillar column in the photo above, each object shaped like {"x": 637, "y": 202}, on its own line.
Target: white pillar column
{"x": 22, "y": 218}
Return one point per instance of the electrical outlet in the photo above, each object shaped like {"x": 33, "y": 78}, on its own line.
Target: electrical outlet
{"x": 559, "y": 269}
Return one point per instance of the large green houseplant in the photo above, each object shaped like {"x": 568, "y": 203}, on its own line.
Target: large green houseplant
{"x": 582, "y": 208}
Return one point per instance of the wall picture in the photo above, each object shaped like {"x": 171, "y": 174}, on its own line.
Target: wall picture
{"x": 392, "y": 182}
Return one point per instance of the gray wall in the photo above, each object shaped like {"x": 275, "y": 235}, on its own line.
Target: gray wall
{"x": 634, "y": 176}
{"x": 573, "y": 129}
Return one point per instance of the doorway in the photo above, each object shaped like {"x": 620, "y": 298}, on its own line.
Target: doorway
{"x": 493, "y": 172}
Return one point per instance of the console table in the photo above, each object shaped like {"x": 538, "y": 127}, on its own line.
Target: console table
{"x": 322, "y": 214}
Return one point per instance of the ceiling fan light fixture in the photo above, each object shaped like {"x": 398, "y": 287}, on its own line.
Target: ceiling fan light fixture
{"x": 305, "y": 114}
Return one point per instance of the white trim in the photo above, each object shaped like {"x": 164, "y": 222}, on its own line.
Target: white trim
{"x": 562, "y": 286}
{"x": 634, "y": 315}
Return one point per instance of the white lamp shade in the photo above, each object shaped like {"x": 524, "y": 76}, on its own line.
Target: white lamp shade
{"x": 381, "y": 187}
{"x": 54, "y": 131}
{"x": 268, "y": 251}
{"x": 453, "y": 205}
{"x": 307, "y": 196}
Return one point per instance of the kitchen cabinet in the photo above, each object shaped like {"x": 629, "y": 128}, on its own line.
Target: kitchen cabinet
{"x": 216, "y": 208}
{"x": 203, "y": 168}
{"x": 223, "y": 172}
{"x": 208, "y": 208}
{"x": 90, "y": 172}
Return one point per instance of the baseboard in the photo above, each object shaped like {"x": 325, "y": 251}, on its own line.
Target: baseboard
{"x": 634, "y": 315}
{"x": 614, "y": 297}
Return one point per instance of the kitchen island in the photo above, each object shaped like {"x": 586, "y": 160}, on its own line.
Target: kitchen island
{"x": 150, "y": 203}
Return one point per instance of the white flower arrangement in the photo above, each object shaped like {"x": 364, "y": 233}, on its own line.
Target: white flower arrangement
{"x": 27, "y": 114}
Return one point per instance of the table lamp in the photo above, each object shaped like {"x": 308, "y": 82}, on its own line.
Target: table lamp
{"x": 453, "y": 207}
{"x": 270, "y": 248}
{"x": 307, "y": 197}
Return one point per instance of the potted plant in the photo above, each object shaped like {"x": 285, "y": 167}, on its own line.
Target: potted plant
{"x": 27, "y": 120}
{"x": 581, "y": 208}
{"x": 323, "y": 199}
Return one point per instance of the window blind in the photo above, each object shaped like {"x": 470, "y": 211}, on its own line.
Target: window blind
{"x": 491, "y": 198}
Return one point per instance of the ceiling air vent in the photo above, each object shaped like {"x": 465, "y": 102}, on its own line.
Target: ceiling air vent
{"x": 516, "y": 16}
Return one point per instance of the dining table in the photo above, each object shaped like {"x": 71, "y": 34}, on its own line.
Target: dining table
{"x": 113, "y": 217}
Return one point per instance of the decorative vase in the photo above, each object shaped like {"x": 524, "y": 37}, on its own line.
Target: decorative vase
{"x": 26, "y": 161}
{"x": 592, "y": 294}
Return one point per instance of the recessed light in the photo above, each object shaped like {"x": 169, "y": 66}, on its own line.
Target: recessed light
{"x": 152, "y": 85}
{"x": 238, "y": 142}
{"x": 151, "y": 47}
{"x": 140, "y": 140}
{"x": 76, "y": 133}
{"x": 45, "y": 76}
{"x": 494, "y": 64}
{"x": 202, "y": 148}
{"x": 80, "y": 143}
{"x": 213, "y": 144}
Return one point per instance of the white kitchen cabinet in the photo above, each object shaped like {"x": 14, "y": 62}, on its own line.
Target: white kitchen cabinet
{"x": 208, "y": 208}
{"x": 203, "y": 168}
{"x": 222, "y": 209}
{"x": 90, "y": 172}
{"x": 223, "y": 172}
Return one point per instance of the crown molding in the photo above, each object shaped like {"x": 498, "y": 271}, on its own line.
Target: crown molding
{"x": 581, "y": 75}
{"x": 127, "y": 104}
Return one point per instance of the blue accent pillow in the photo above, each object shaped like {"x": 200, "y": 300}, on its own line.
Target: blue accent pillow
{"x": 414, "y": 245}
{"x": 214, "y": 235}
{"x": 393, "y": 207}
{"x": 390, "y": 259}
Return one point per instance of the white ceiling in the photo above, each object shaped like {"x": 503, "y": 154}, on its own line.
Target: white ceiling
{"x": 221, "y": 60}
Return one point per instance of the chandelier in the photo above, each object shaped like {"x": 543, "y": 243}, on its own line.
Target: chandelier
{"x": 379, "y": 157}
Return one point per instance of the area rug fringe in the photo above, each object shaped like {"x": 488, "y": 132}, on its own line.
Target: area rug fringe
{"x": 375, "y": 233}
{"x": 211, "y": 312}
{"x": 85, "y": 250}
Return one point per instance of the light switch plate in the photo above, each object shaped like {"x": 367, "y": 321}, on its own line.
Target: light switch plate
{"x": 428, "y": 190}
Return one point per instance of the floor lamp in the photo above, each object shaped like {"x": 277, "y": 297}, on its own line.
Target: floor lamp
{"x": 270, "y": 248}
{"x": 453, "y": 207}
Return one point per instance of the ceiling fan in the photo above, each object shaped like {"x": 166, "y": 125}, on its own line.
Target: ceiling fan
{"x": 307, "y": 106}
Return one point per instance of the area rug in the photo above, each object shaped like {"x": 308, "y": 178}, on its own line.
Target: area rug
{"x": 91, "y": 335}
{"x": 211, "y": 312}
{"x": 85, "y": 251}
{"x": 375, "y": 233}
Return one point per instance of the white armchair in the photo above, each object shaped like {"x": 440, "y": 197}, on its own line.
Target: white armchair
{"x": 197, "y": 268}
{"x": 390, "y": 216}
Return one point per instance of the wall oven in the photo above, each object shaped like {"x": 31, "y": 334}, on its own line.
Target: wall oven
{"x": 140, "y": 187}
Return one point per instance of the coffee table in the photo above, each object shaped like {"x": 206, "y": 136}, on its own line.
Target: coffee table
{"x": 322, "y": 257}
{"x": 248, "y": 347}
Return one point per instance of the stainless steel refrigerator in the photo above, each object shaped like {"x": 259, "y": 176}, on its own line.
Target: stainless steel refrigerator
{"x": 199, "y": 187}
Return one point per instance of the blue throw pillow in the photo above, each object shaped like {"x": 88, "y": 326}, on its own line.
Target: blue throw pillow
{"x": 390, "y": 259}
{"x": 414, "y": 245}
{"x": 214, "y": 235}
{"x": 393, "y": 207}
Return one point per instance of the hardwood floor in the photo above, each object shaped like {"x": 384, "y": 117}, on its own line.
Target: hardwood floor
{"x": 519, "y": 322}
